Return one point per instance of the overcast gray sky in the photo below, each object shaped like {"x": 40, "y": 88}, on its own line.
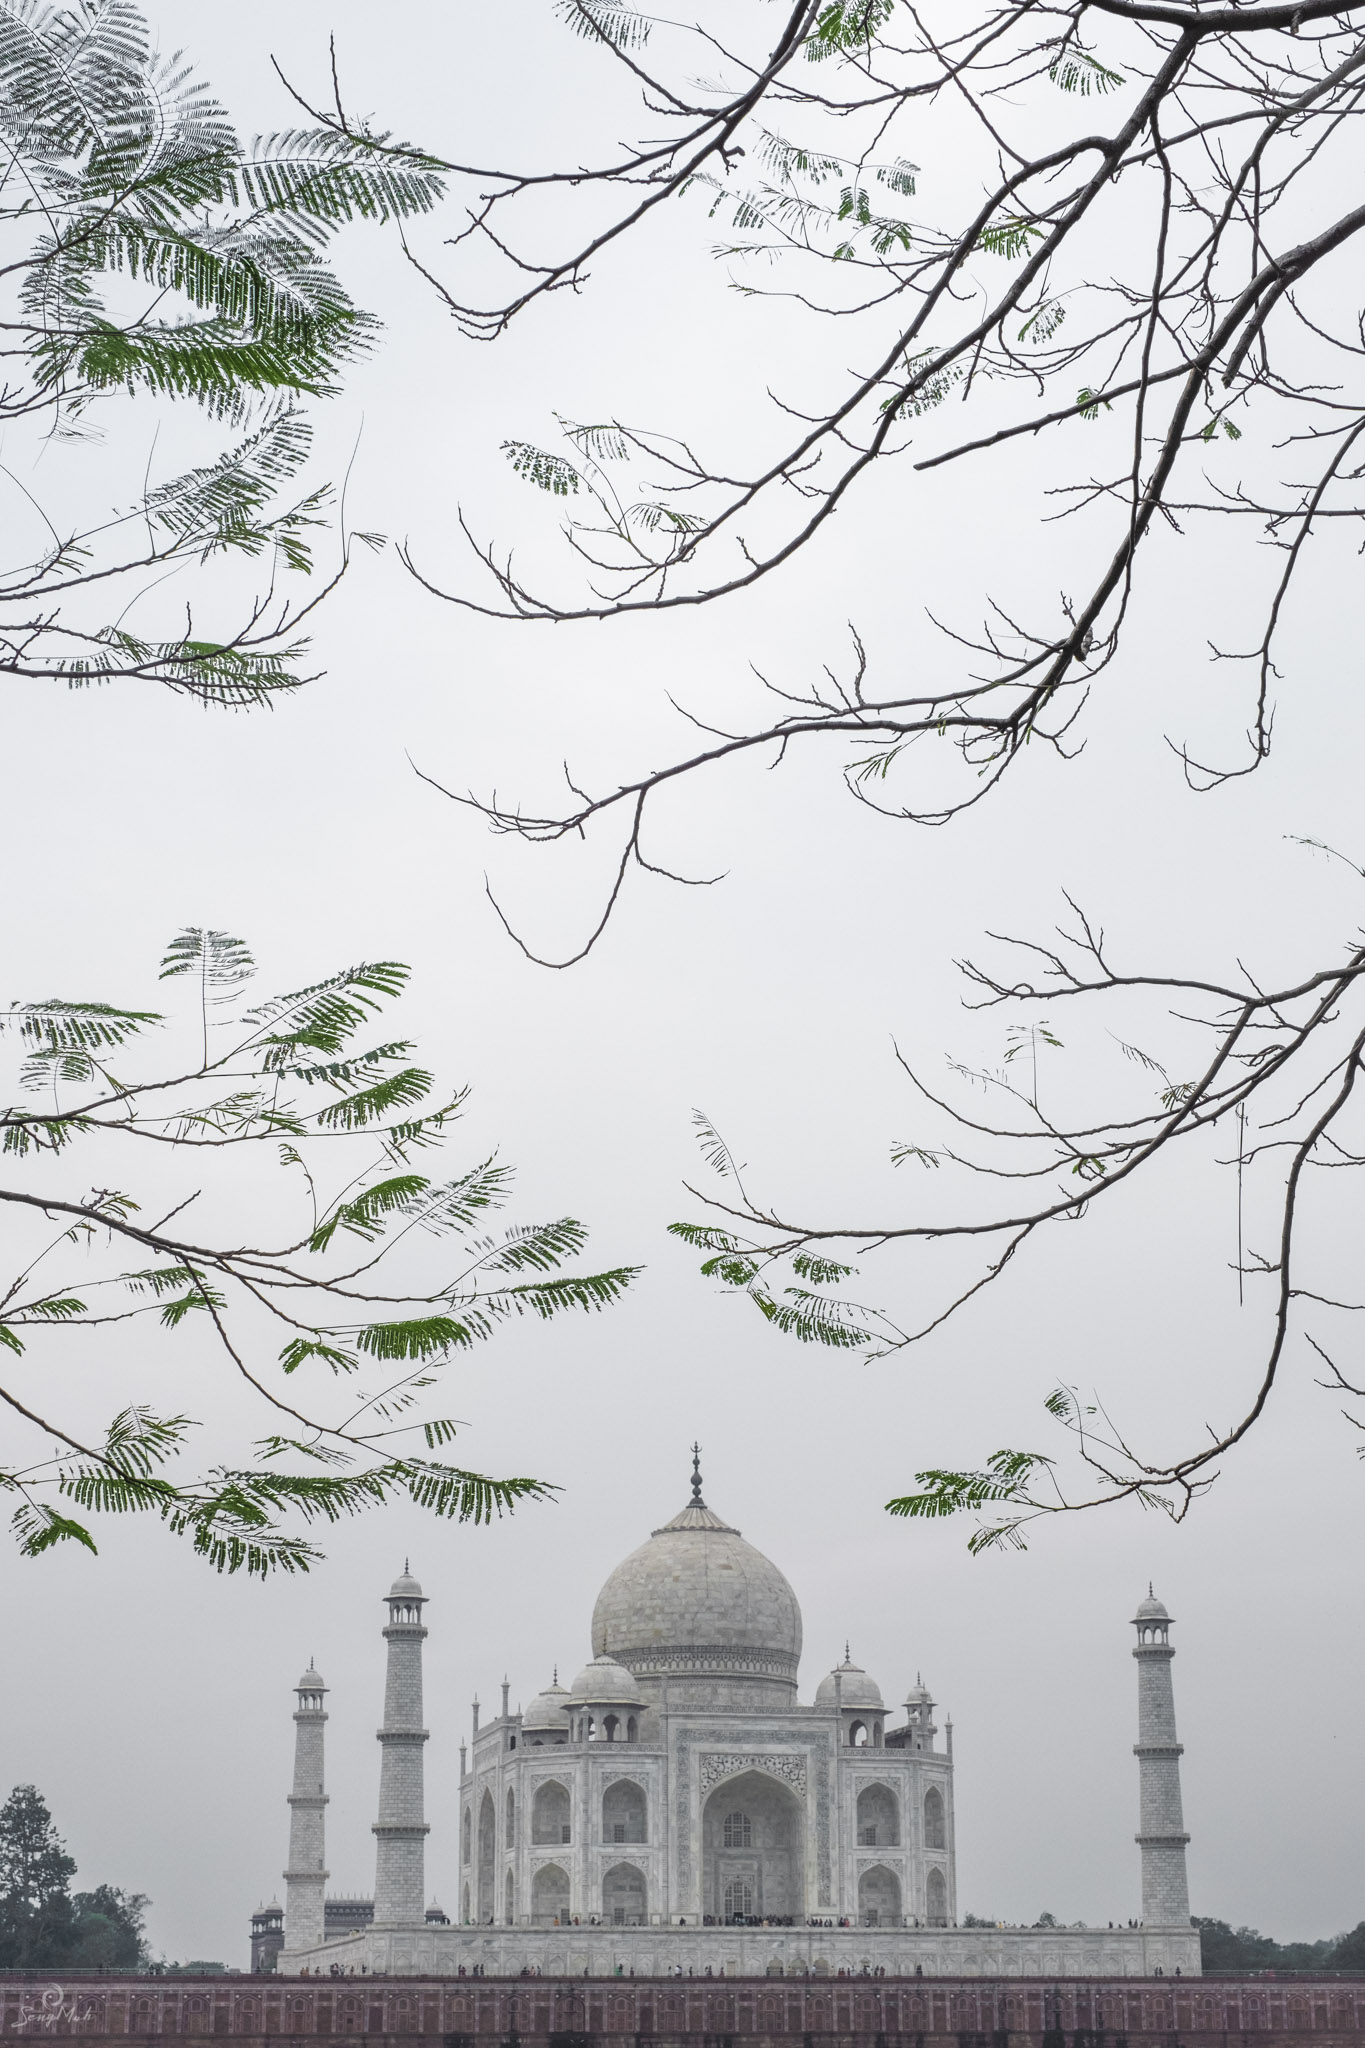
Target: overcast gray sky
{"x": 150, "y": 1702}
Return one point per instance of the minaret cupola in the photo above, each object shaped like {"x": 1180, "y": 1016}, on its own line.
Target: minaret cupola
{"x": 311, "y": 1689}
{"x": 405, "y": 1600}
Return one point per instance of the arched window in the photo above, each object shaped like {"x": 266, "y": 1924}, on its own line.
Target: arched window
{"x": 510, "y": 1835}
{"x": 879, "y": 1820}
{"x": 509, "y": 1901}
{"x": 550, "y": 1814}
{"x": 857, "y": 1735}
{"x": 936, "y": 1899}
{"x": 935, "y": 1835}
{"x": 753, "y": 1832}
{"x": 624, "y": 1812}
{"x": 739, "y": 1895}
{"x": 550, "y": 1896}
{"x": 609, "y": 1727}
{"x": 879, "y": 1897}
{"x": 466, "y": 1836}
{"x": 623, "y": 1896}
{"x": 632, "y": 1730}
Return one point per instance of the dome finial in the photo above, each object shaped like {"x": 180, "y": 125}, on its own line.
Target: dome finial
{"x": 697, "y": 1500}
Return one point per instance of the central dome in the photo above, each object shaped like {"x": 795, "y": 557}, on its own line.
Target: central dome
{"x": 696, "y": 1600}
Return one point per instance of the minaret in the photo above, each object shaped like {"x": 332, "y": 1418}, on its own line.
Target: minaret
{"x": 1161, "y": 1837}
{"x": 305, "y": 1879}
{"x": 400, "y": 1831}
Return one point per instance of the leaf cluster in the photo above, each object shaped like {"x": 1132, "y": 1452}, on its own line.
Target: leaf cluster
{"x": 338, "y": 1352}
{"x": 148, "y": 251}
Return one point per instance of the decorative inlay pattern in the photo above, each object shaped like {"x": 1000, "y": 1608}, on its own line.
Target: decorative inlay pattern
{"x": 660, "y": 1657}
{"x": 795, "y": 1767}
{"x": 718, "y": 1764}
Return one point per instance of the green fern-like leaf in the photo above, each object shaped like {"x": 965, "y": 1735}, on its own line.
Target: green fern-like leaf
{"x": 538, "y": 1246}
{"x": 201, "y": 1296}
{"x": 217, "y": 961}
{"x": 55, "y": 1028}
{"x": 321, "y": 1017}
{"x": 606, "y": 21}
{"x": 944, "y": 1493}
{"x": 846, "y": 28}
{"x": 469, "y": 1496}
{"x": 547, "y": 1298}
{"x": 820, "y": 1272}
{"x": 1011, "y": 237}
{"x": 366, "y": 1214}
{"x": 704, "y": 1237}
{"x": 420, "y": 1337}
{"x": 601, "y": 444}
{"x": 39, "y": 1528}
{"x": 1075, "y": 70}
{"x": 299, "y": 1349}
{"x": 58, "y": 1308}
{"x": 552, "y": 473}
{"x": 379, "y": 1101}
{"x": 331, "y": 178}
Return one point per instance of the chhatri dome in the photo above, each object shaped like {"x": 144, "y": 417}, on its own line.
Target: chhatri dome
{"x": 849, "y": 1687}
{"x": 546, "y": 1713}
{"x": 696, "y": 1601}
{"x": 605, "y": 1683}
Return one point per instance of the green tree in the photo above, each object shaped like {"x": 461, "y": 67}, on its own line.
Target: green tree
{"x": 42, "y": 1926}
{"x": 1225, "y": 1949}
{"x": 35, "y": 1876}
{"x": 362, "y": 1277}
{"x": 146, "y": 250}
{"x": 107, "y": 1930}
{"x": 1349, "y": 1953}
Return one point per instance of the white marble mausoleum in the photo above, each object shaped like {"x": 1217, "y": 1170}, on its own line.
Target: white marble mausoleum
{"x": 680, "y": 1807}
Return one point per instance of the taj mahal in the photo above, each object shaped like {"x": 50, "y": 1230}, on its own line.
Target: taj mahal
{"x": 679, "y": 1809}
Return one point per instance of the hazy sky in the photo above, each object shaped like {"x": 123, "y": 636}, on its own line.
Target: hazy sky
{"x": 151, "y": 1702}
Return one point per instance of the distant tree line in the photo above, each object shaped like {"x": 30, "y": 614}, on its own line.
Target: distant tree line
{"x": 1222, "y": 1947}
{"x": 43, "y": 1924}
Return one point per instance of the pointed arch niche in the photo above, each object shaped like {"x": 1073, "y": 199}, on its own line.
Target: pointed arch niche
{"x": 879, "y": 1897}
{"x": 754, "y": 1846}
{"x": 488, "y": 1828}
{"x": 550, "y": 1811}
{"x": 550, "y": 1896}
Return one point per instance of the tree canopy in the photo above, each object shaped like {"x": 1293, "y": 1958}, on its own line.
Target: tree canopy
{"x": 149, "y": 251}
{"x": 43, "y": 1925}
{"x": 334, "y": 1321}
{"x": 1227, "y": 1949}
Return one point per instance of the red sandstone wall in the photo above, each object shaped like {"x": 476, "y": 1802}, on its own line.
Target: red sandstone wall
{"x": 699, "y": 2012}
